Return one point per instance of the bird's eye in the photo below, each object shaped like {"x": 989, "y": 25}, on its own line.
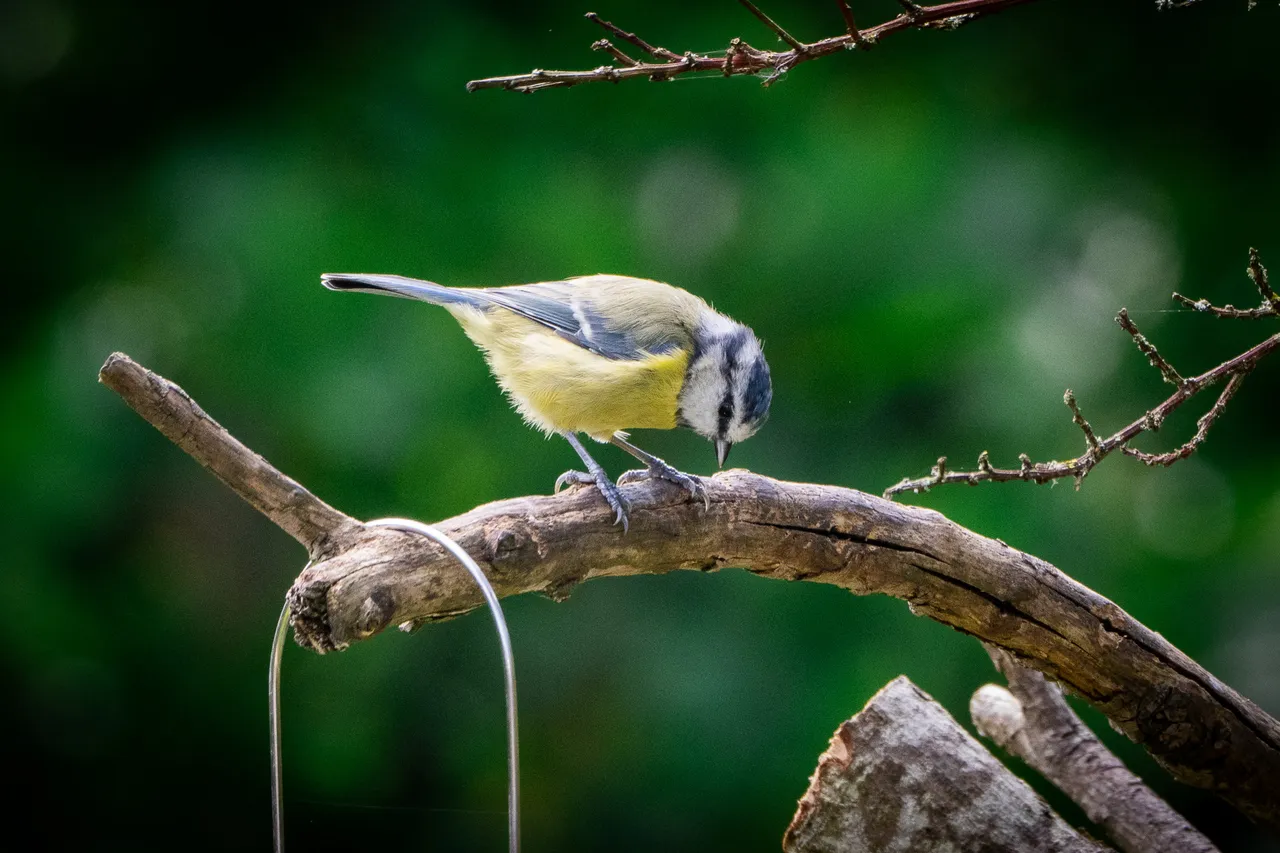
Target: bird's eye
{"x": 725, "y": 412}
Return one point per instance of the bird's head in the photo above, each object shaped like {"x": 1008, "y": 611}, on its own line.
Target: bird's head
{"x": 726, "y": 391}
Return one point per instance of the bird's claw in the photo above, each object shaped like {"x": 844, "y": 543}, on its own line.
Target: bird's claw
{"x": 573, "y": 478}
{"x": 601, "y": 481}
{"x": 662, "y": 471}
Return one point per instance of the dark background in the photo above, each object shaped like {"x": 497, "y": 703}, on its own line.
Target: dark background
{"x": 932, "y": 238}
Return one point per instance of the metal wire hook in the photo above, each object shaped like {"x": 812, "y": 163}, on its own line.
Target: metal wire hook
{"x": 508, "y": 669}
{"x": 273, "y": 714}
{"x": 508, "y": 662}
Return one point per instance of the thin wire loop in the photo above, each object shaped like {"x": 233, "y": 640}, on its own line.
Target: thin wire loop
{"x": 508, "y": 661}
{"x": 508, "y": 669}
{"x": 273, "y": 714}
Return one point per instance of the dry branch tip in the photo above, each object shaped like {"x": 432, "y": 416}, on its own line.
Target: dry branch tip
{"x": 1233, "y": 370}
{"x": 770, "y": 65}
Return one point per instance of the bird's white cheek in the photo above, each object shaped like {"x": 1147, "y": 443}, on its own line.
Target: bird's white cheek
{"x": 699, "y": 402}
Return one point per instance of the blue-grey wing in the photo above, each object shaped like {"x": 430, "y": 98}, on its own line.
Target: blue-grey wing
{"x": 573, "y": 315}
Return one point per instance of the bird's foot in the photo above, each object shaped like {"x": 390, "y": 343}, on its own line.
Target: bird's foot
{"x": 662, "y": 471}
{"x": 601, "y": 481}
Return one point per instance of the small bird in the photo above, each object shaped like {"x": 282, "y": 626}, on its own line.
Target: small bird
{"x": 603, "y": 354}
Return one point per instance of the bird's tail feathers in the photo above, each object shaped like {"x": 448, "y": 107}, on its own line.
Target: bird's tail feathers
{"x": 396, "y": 285}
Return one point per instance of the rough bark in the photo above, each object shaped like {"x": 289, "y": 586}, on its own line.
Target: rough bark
{"x": 1033, "y": 721}
{"x": 366, "y": 579}
{"x": 902, "y": 775}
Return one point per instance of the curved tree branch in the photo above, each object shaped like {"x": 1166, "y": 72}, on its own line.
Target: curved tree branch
{"x": 366, "y": 579}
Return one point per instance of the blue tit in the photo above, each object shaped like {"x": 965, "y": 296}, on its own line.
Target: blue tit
{"x": 603, "y": 354}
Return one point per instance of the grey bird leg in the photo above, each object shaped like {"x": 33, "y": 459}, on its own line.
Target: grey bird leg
{"x": 655, "y": 467}
{"x": 595, "y": 476}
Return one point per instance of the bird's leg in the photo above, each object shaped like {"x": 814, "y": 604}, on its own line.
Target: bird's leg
{"x": 655, "y": 467}
{"x": 595, "y": 476}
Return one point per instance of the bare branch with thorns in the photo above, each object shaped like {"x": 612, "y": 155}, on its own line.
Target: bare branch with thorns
{"x": 741, "y": 58}
{"x": 1233, "y": 371}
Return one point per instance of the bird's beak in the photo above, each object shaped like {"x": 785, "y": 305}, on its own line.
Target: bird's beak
{"x": 722, "y": 450}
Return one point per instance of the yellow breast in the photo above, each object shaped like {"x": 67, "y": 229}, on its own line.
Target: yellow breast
{"x": 558, "y": 386}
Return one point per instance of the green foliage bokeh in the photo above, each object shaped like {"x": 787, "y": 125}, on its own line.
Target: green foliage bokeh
{"x": 931, "y": 237}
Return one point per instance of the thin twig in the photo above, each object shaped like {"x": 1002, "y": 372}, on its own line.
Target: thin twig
{"x": 911, "y": 8}
{"x": 798, "y": 46}
{"x": 1234, "y": 370}
{"x": 632, "y": 38}
{"x": 850, "y": 25}
{"x": 606, "y": 45}
{"x": 1228, "y": 311}
{"x": 1202, "y": 430}
{"x": 1149, "y": 350}
{"x": 747, "y": 60}
{"x": 1270, "y": 306}
{"x": 1078, "y": 420}
{"x": 1258, "y": 273}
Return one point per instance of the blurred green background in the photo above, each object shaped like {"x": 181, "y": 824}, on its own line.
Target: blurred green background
{"x": 932, "y": 238}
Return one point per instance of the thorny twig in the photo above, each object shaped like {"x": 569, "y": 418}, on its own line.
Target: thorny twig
{"x": 795, "y": 44}
{"x": 851, "y": 26}
{"x": 742, "y": 58}
{"x": 1097, "y": 449}
{"x": 1202, "y": 429}
{"x": 1270, "y": 306}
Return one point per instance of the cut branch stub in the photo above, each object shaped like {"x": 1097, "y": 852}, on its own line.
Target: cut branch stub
{"x": 1033, "y": 721}
{"x": 903, "y": 775}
